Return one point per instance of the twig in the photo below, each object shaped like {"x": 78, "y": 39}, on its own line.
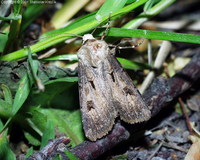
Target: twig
{"x": 186, "y": 116}
{"x": 50, "y": 149}
{"x": 174, "y": 146}
{"x": 90, "y": 150}
{"x": 158, "y": 95}
{"x": 162, "y": 91}
{"x": 157, "y": 149}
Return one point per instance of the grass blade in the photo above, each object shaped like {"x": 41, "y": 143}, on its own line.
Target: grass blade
{"x": 22, "y": 92}
{"x": 5, "y": 150}
{"x": 7, "y": 94}
{"x": 170, "y": 36}
{"x": 80, "y": 26}
{"x": 14, "y": 28}
{"x": 143, "y": 17}
{"x": 48, "y": 133}
{"x": 127, "y": 64}
{"x": 110, "y": 6}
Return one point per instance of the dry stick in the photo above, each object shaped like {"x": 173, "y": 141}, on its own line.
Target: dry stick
{"x": 186, "y": 116}
{"x": 156, "y": 151}
{"x": 163, "y": 91}
{"x": 91, "y": 150}
{"x": 51, "y": 149}
{"x": 174, "y": 146}
{"x": 157, "y": 96}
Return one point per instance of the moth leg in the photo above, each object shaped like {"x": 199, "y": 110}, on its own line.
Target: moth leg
{"x": 107, "y": 27}
{"x": 128, "y": 47}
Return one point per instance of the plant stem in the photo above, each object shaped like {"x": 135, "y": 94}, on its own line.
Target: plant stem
{"x": 143, "y": 17}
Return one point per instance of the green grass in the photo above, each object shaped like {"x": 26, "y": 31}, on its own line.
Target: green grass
{"x": 87, "y": 23}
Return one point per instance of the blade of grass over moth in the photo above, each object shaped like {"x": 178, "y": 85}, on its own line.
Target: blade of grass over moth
{"x": 122, "y": 32}
{"x": 127, "y": 64}
{"x": 80, "y": 26}
{"x": 69, "y": 57}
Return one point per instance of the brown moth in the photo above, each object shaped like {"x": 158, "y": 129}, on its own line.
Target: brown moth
{"x": 105, "y": 90}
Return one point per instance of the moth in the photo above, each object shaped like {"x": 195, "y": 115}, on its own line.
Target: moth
{"x": 105, "y": 90}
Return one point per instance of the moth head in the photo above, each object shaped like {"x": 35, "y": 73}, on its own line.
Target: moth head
{"x": 93, "y": 52}
{"x": 87, "y": 37}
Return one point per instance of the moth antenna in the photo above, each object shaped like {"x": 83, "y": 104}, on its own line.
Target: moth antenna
{"x": 105, "y": 32}
{"x": 107, "y": 27}
{"x": 94, "y": 30}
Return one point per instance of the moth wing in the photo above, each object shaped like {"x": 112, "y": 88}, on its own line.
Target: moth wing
{"x": 98, "y": 114}
{"x": 127, "y": 99}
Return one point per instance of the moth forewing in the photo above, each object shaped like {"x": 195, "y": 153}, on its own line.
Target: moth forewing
{"x": 98, "y": 114}
{"x": 105, "y": 90}
{"x": 128, "y": 101}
